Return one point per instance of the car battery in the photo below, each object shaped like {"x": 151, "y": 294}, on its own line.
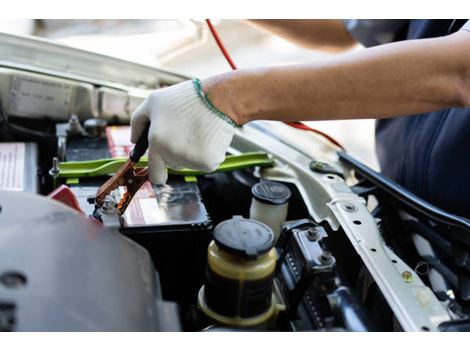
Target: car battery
{"x": 170, "y": 221}
{"x": 19, "y": 167}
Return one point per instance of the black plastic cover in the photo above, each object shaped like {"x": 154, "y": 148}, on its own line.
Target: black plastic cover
{"x": 245, "y": 237}
{"x": 271, "y": 192}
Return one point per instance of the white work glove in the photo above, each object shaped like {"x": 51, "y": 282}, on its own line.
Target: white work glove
{"x": 186, "y": 130}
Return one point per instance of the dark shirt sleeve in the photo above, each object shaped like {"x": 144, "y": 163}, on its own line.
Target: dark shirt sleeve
{"x": 374, "y": 32}
{"x": 466, "y": 26}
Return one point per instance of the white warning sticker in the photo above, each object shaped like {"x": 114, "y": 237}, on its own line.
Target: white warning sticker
{"x": 30, "y": 96}
{"x": 12, "y": 165}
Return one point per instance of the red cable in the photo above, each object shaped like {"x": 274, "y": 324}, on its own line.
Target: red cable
{"x": 221, "y": 45}
{"x": 294, "y": 124}
{"x": 301, "y": 126}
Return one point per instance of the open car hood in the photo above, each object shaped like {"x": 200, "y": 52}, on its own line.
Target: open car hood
{"x": 46, "y": 56}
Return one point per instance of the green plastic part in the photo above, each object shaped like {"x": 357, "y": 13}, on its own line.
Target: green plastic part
{"x": 190, "y": 179}
{"x": 103, "y": 167}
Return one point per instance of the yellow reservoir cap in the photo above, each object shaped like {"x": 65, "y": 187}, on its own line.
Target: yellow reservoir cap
{"x": 241, "y": 269}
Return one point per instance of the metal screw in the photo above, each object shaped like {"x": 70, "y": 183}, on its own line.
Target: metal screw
{"x": 74, "y": 126}
{"x": 407, "y": 276}
{"x": 313, "y": 234}
{"x": 55, "y": 169}
{"x": 350, "y": 207}
{"x": 318, "y": 166}
{"x": 326, "y": 257}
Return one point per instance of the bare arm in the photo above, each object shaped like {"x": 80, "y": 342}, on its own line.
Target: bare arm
{"x": 390, "y": 80}
{"x": 328, "y": 35}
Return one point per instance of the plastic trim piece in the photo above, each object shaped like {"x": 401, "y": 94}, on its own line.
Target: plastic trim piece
{"x": 102, "y": 167}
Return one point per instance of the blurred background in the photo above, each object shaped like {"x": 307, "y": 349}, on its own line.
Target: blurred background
{"x": 185, "y": 46}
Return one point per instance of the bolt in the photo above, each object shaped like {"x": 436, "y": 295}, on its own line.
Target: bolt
{"x": 74, "y": 126}
{"x": 326, "y": 258}
{"x": 318, "y": 166}
{"x": 55, "y": 163}
{"x": 55, "y": 169}
{"x": 350, "y": 207}
{"x": 407, "y": 276}
{"x": 313, "y": 234}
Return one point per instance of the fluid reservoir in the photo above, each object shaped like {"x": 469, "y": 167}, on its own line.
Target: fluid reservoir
{"x": 241, "y": 260}
{"x": 269, "y": 204}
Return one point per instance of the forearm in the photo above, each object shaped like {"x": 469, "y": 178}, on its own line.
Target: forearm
{"x": 313, "y": 34}
{"x": 391, "y": 80}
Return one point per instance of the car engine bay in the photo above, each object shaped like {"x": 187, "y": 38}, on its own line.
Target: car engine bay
{"x": 289, "y": 234}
